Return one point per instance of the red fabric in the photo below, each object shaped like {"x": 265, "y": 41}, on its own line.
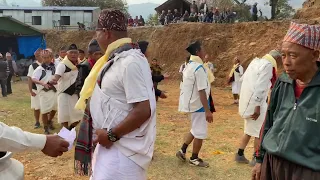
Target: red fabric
{"x": 274, "y": 77}
{"x": 298, "y": 90}
{"x": 91, "y": 62}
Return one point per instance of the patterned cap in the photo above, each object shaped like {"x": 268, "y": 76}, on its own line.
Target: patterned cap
{"x": 46, "y": 52}
{"x": 304, "y": 35}
{"x": 111, "y": 19}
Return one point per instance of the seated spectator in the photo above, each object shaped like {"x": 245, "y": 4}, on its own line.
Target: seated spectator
{"x": 209, "y": 16}
{"x": 185, "y": 16}
{"x": 130, "y": 21}
{"x": 170, "y": 17}
{"x": 193, "y": 16}
{"x": 141, "y": 21}
{"x": 176, "y": 15}
{"x": 136, "y": 21}
{"x": 81, "y": 26}
{"x": 201, "y": 16}
{"x": 216, "y": 15}
{"x": 162, "y": 17}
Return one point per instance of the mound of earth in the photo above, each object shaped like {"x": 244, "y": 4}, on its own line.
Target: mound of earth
{"x": 223, "y": 42}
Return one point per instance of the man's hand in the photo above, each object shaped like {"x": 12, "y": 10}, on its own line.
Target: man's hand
{"x": 102, "y": 138}
{"x": 53, "y": 82}
{"x": 33, "y": 93}
{"x": 209, "y": 117}
{"x": 55, "y": 146}
{"x": 256, "y": 172}
{"x": 256, "y": 113}
{"x": 46, "y": 86}
{"x": 163, "y": 95}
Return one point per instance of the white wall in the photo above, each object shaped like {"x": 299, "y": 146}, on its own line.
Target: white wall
{"x": 47, "y": 17}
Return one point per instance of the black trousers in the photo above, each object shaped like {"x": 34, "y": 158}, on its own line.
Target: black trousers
{"x": 3, "y": 83}
{"x": 9, "y": 90}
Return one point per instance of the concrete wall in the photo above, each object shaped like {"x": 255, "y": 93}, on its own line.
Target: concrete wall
{"x": 47, "y": 17}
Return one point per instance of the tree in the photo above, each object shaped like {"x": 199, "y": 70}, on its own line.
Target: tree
{"x": 152, "y": 19}
{"x": 103, "y": 4}
{"x": 281, "y": 9}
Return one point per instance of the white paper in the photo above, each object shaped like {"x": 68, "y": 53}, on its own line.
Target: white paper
{"x": 69, "y": 136}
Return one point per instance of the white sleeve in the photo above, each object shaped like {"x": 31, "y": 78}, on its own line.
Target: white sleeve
{"x": 15, "y": 140}
{"x": 135, "y": 84}
{"x": 60, "y": 69}
{"x": 240, "y": 70}
{"x": 30, "y": 71}
{"x": 37, "y": 73}
{"x": 262, "y": 84}
{"x": 201, "y": 78}
{"x": 181, "y": 68}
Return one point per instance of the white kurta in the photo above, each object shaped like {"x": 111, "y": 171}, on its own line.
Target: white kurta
{"x": 128, "y": 81}
{"x": 236, "y": 84}
{"x": 254, "y": 92}
{"x": 35, "y": 100}
{"x": 66, "y": 102}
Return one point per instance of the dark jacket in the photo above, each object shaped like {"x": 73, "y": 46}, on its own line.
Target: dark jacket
{"x": 3, "y": 69}
{"x": 292, "y": 127}
{"x": 156, "y": 79}
{"x": 84, "y": 70}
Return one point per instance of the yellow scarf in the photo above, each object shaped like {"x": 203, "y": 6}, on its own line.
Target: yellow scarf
{"x": 206, "y": 67}
{"x": 91, "y": 80}
{"x": 233, "y": 69}
{"x": 82, "y": 60}
{"x": 69, "y": 64}
{"x": 271, "y": 60}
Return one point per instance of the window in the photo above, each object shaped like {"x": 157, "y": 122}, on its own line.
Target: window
{"x": 36, "y": 20}
{"x": 56, "y": 11}
{"x": 27, "y": 11}
{"x": 65, "y": 20}
{"x": 1, "y": 11}
{"x": 87, "y": 11}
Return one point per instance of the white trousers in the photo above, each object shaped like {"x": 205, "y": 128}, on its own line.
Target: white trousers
{"x": 199, "y": 125}
{"x": 111, "y": 164}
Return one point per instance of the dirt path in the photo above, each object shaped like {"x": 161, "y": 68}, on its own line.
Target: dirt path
{"x": 218, "y": 149}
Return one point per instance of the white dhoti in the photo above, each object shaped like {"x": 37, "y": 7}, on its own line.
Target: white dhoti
{"x": 48, "y": 101}
{"x": 252, "y": 127}
{"x": 199, "y": 125}
{"x": 66, "y": 110}
{"x": 236, "y": 86}
{"x": 113, "y": 165}
{"x": 35, "y": 102}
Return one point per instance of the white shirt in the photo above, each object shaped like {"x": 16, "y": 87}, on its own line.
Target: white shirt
{"x": 195, "y": 79}
{"x": 37, "y": 75}
{"x": 31, "y": 70}
{"x": 256, "y": 83}
{"x": 57, "y": 61}
{"x": 13, "y": 139}
{"x": 67, "y": 78}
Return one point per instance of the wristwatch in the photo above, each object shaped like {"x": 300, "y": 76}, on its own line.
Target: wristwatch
{"x": 112, "y": 137}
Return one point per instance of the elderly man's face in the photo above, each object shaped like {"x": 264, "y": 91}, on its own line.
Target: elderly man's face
{"x": 62, "y": 53}
{"x": 102, "y": 38}
{"x": 97, "y": 55}
{"x": 297, "y": 60}
{"x": 73, "y": 55}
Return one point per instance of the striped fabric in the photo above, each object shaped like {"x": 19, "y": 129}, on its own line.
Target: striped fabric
{"x": 304, "y": 35}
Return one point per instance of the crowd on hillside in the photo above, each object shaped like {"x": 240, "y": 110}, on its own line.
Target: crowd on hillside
{"x": 136, "y": 22}
{"x": 203, "y": 14}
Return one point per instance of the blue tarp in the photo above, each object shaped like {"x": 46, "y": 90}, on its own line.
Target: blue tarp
{"x": 29, "y": 44}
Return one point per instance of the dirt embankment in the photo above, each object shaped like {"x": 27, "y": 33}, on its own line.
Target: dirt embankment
{"x": 223, "y": 42}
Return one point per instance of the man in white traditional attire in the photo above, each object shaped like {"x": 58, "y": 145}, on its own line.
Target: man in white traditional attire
{"x": 35, "y": 99}
{"x": 65, "y": 76}
{"x": 194, "y": 99}
{"x": 62, "y": 53}
{"x": 46, "y": 91}
{"x": 234, "y": 78}
{"x": 122, "y": 104}
{"x": 257, "y": 81}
